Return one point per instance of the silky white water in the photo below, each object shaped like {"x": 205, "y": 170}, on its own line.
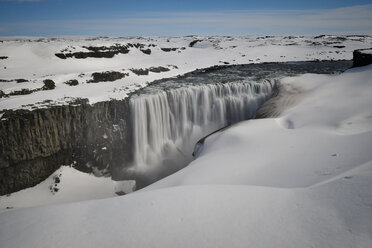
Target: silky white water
{"x": 167, "y": 124}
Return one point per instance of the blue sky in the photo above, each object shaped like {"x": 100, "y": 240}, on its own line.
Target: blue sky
{"x": 151, "y": 18}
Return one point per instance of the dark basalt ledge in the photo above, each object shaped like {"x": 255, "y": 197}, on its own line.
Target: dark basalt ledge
{"x": 362, "y": 59}
{"x": 35, "y": 143}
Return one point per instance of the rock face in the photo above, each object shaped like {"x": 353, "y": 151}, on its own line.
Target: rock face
{"x": 35, "y": 143}
{"x": 362, "y": 57}
{"x": 96, "y": 52}
{"x": 107, "y": 76}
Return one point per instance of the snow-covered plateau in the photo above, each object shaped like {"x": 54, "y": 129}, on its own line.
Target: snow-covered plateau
{"x": 301, "y": 177}
{"x": 140, "y": 60}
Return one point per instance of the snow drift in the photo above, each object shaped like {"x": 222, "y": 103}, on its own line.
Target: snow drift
{"x": 301, "y": 179}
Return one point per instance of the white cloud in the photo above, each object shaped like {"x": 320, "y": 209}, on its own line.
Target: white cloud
{"x": 355, "y": 19}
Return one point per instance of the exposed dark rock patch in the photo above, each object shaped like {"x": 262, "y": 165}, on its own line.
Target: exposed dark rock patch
{"x": 136, "y": 45}
{"x": 54, "y": 187}
{"x": 3, "y": 57}
{"x": 116, "y": 48}
{"x": 48, "y": 84}
{"x": 158, "y": 69}
{"x": 83, "y": 55}
{"x": 140, "y": 72}
{"x": 21, "y": 92}
{"x": 192, "y": 43}
{"x": 21, "y": 80}
{"x": 165, "y": 49}
{"x": 72, "y": 82}
{"x": 172, "y": 49}
{"x": 361, "y": 58}
{"x": 146, "y": 51}
{"x": 144, "y": 72}
{"x": 107, "y": 76}
{"x": 97, "y": 52}
{"x": 339, "y": 46}
{"x": 292, "y": 44}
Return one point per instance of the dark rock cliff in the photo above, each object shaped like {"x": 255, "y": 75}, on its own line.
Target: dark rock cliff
{"x": 35, "y": 143}
{"x": 361, "y": 58}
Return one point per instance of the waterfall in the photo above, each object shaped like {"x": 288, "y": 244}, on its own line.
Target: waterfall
{"x": 168, "y": 123}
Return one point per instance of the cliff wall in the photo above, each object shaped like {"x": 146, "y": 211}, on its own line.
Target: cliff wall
{"x": 35, "y": 143}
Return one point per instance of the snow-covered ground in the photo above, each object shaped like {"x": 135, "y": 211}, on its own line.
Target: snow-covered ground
{"x": 34, "y": 59}
{"x": 302, "y": 179}
{"x": 67, "y": 185}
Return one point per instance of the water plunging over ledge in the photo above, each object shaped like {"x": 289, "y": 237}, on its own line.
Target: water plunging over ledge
{"x": 171, "y": 115}
{"x": 167, "y": 124}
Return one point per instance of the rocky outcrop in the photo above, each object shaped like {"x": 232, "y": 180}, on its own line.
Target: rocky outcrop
{"x": 107, "y": 76}
{"x": 362, "y": 57}
{"x": 192, "y": 43}
{"x": 96, "y": 52}
{"x": 48, "y": 85}
{"x": 35, "y": 143}
{"x": 144, "y": 72}
{"x": 72, "y": 82}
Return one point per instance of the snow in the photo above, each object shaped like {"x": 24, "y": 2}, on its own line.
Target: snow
{"x": 301, "y": 179}
{"x": 327, "y": 133}
{"x": 367, "y": 51}
{"x": 34, "y": 59}
{"x": 72, "y": 186}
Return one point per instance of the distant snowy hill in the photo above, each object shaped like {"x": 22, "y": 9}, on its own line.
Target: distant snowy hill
{"x": 74, "y": 64}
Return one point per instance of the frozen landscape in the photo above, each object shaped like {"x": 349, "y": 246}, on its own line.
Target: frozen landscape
{"x": 34, "y": 60}
{"x": 298, "y": 175}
